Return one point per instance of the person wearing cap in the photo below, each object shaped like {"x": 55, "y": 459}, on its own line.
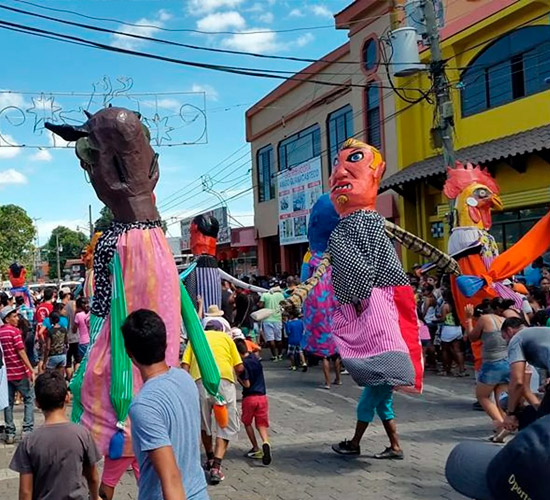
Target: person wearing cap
{"x": 19, "y": 370}
{"x": 525, "y": 345}
{"x": 483, "y": 471}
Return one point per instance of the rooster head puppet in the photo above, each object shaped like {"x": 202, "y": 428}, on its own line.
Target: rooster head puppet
{"x": 476, "y": 194}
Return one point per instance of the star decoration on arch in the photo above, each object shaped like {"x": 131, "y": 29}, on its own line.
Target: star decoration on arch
{"x": 45, "y": 109}
{"x": 160, "y": 130}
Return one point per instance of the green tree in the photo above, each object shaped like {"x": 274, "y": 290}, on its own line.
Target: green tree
{"x": 71, "y": 244}
{"x": 17, "y": 234}
{"x": 105, "y": 219}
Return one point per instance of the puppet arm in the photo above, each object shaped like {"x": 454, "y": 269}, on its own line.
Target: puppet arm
{"x": 301, "y": 291}
{"x": 418, "y": 245}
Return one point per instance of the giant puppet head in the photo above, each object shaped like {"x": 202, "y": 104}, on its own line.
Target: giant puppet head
{"x": 475, "y": 193}
{"x": 322, "y": 220}
{"x": 17, "y": 275}
{"x": 357, "y": 171}
{"x": 113, "y": 147}
{"x": 204, "y": 235}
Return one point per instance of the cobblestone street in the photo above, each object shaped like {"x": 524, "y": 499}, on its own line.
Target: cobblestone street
{"x": 306, "y": 419}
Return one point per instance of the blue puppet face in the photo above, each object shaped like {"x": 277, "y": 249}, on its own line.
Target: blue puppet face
{"x": 322, "y": 220}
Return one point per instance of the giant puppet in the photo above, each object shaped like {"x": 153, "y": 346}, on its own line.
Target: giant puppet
{"x": 204, "y": 280}
{"x": 475, "y": 194}
{"x": 17, "y": 275}
{"x": 133, "y": 268}
{"x": 374, "y": 324}
{"x": 320, "y": 304}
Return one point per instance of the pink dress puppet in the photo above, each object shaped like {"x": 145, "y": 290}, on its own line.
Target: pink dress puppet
{"x": 320, "y": 304}
{"x": 375, "y": 325}
{"x": 132, "y": 260}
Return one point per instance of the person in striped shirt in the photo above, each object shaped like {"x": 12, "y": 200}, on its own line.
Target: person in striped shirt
{"x": 19, "y": 370}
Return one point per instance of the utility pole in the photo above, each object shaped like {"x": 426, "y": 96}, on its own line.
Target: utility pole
{"x": 58, "y": 260}
{"x": 90, "y": 221}
{"x": 445, "y": 113}
{"x": 444, "y": 106}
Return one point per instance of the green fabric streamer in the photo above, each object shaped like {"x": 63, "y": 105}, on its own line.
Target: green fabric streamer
{"x": 121, "y": 367}
{"x": 210, "y": 374}
{"x": 96, "y": 323}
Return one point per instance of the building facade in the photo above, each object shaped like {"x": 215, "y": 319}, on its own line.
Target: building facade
{"x": 304, "y": 120}
{"x": 497, "y": 54}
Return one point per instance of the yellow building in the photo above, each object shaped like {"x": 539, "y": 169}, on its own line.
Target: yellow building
{"x": 498, "y": 54}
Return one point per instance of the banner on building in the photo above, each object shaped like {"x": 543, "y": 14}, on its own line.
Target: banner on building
{"x": 224, "y": 236}
{"x": 299, "y": 188}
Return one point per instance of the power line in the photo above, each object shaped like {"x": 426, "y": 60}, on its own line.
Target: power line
{"x": 162, "y": 40}
{"x": 215, "y": 67}
{"x": 189, "y": 30}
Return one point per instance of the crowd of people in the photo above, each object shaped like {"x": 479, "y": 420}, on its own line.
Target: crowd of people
{"x": 42, "y": 347}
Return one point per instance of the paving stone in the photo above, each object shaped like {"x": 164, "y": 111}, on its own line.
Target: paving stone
{"x": 306, "y": 420}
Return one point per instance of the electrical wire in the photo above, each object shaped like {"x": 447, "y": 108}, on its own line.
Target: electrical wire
{"x": 162, "y": 40}
{"x": 215, "y": 67}
{"x": 187, "y": 30}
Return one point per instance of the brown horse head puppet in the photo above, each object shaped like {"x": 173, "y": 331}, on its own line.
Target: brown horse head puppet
{"x": 113, "y": 147}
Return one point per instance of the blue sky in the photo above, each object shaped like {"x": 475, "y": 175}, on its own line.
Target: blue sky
{"x": 50, "y": 185}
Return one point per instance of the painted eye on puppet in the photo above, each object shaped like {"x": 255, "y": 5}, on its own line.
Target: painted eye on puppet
{"x": 482, "y": 193}
{"x": 335, "y": 161}
{"x": 355, "y": 157}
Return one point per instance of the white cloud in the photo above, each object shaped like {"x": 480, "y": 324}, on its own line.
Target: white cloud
{"x": 164, "y": 103}
{"x": 303, "y": 40}
{"x": 11, "y": 176}
{"x": 8, "y": 148}
{"x": 263, "y": 42}
{"x": 296, "y": 13}
{"x": 267, "y": 18}
{"x": 11, "y": 99}
{"x": 147, "y": 29}
{"x": 321, "y": 11}
{"x": 42, "y": 155}
{"x": 198, "y": 7}
{"x": 221, "y": 21}
{"x": 257, "y": 7}
{"x": 45, "y": 227}
{"x": 211, "y": 92}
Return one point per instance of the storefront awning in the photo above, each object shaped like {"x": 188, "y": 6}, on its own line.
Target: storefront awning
{"x": 522, "y": 143}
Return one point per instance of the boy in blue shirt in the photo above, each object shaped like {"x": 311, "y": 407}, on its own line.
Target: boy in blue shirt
{"x": 294, "y": 329}
{"x": 255, "y": 405}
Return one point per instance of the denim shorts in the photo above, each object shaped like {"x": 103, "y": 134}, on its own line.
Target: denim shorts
{"x": 59, "y": 360}
{"x": 82, "y": 348}
{"x": 494, "y": 372}
{"x": 294, "y": 350}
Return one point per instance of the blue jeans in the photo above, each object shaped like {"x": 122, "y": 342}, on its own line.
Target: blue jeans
{"x": 25, "y": 388}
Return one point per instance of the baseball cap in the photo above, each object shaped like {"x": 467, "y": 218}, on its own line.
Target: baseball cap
{"x": 6, "y": 311}
{"x": 519, "y": 470}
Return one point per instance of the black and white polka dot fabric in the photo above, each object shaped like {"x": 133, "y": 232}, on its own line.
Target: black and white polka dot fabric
{"x": 103, "y": 253}
{"x": 363, "y": 257}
